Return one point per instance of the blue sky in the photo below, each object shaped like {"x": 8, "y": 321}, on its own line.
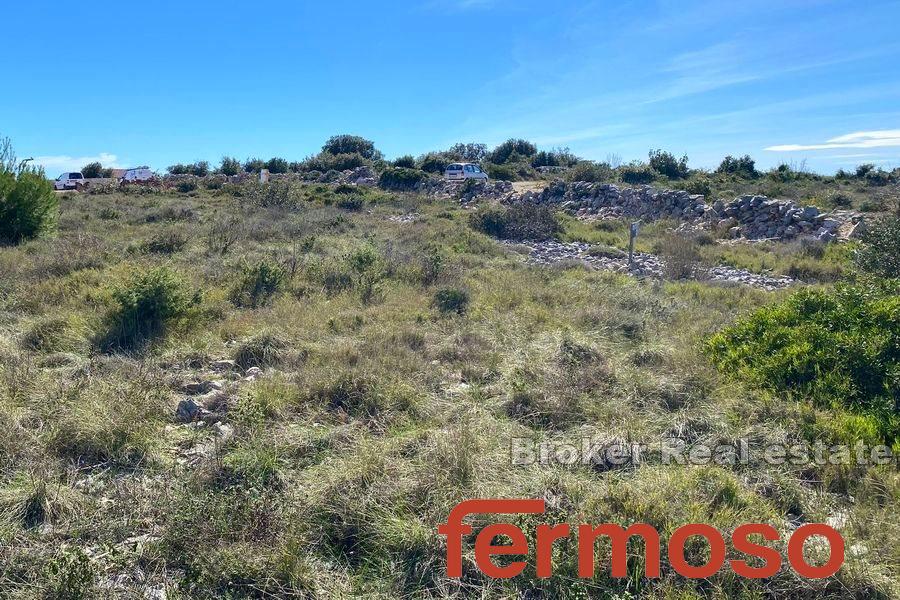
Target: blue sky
{"x": 157, "y": 83}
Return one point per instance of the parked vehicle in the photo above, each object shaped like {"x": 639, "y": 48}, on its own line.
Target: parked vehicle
{"x": 460, "y": 171}
{"x": 69, "y": 181}
{"x": 137, "y": 174}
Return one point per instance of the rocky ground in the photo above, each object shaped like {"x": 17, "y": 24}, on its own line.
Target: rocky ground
{"x": 643, "y": 264}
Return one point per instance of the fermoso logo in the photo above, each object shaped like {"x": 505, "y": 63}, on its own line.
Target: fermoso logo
{"x": 546, "y": 535}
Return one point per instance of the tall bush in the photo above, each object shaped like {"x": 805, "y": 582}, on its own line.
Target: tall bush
{"x": 28, "y": 205}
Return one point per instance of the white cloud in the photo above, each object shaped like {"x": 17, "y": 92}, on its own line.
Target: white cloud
{"x": 61, "y": 164}
{"x": 883, "y": 138}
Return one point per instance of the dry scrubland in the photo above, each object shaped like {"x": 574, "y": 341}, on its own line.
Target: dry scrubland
{"x": 398, "y": 358}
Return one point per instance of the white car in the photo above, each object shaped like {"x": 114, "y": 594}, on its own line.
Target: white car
{"x": 69, "y": 181}
{"x": 137, "y": 174}
{"x": 460, "y": 171}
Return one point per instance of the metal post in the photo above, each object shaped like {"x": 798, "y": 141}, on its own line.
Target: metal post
{"x": 632, "y": 234}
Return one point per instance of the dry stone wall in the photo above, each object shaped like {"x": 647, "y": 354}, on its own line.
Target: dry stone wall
{"x": 749, "y": 216}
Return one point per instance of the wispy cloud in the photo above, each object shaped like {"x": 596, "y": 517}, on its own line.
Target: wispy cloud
{"x": 882, "y": 138}
{"x": 65, "y": 163}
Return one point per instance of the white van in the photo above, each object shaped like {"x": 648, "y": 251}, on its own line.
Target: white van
{"x": 459, "y": 171}
{"x": 138, "y": 174}
{"x": 69, "y": 181}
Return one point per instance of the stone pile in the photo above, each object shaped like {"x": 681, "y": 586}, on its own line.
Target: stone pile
{"x": 467, "y": 191}
{"x": 644, "y": 265}
{"x": 749, "y": 216}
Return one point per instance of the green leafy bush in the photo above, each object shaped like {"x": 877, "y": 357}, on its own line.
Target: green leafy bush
{"x": 351, "y": 144}
{"x": 880, "y": 252}
{"x": 743, "y": 166}
{"x": 145, "y": 305}
{"x": 351, "y": 203}
{"x": 837, "y": 348}
{"x": 527, "y": 221}
{"x": 258, "y": 284}
{"x": 400, "y": 178}
{"x": 451, "y": 300}
{"x": 186, "y": 186}
{"x": 94, "y": 170}
{"x": 28, "y": 206}
{"x": 666, "y": 164}
{"x": 501, "y": 172}
{"x": 229, "y": 166}
{"x": 277, "y": 165}
{"x": 590, "y": 171}
{"x": 199, "y": 169}
{"x": 407, "y": 162}
{"x": 505, "y": 151}
{"x": 435, "y": 162}
{"x": 637, "y": 173}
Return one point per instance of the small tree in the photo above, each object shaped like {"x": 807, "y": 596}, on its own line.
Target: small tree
{"x": 229, "y": 166}
{"x": 470, "y": 152}
{"x": 277, "y": 165}
{"x": 666, "y": 164}
{"x": 28, "y": 206}
{"x": 349, "y": 144}
{"x": 407, "y": 162}
{"x": 505, "y": 152}
{"x": 92, "y": 170}
{"x": 254, "y": 165}
{"x": 743, "y": 166}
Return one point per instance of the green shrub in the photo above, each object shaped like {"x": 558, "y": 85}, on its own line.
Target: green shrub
{"x": 400, "y": 178}
{"x": 229, "y": 166}
{"x": 505, "y": 152}
{"x": 636, "y": 173}
{"x": 254, "y": 165}
{"x": 501, "y": 172}
{"x": 188, "y": 185}
{"x": 698, "y": 184}
{"x": 258, "y": 284}
{"x": 146, "y": 304}
{"x": 166, "y": 242}
{"x": 743, "y": 166}
{"x": 666, "y": 164}
{"x": 95, "y": 170}
{"x": 28, "y": 205}
{"x": 880, "y": 252}
{"x": 837, "y": 348}
{"x": 451, "y": 300}
{"x": 351, "y": 203}
{"x": 198, "y": 169}
{"x": 277, "y": 165}
{"x": 435, "y": 162}
{"x": 590, "y": 171}
{"x": 527, "y": 221}
{"x": 407, "y": 162}
{"x": 351, "y": 144}
{"x": 261, "y": 351}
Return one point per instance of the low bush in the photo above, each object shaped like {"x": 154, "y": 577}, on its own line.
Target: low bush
{"x": 401, "y": 178}
{"x": 680, "y": 255}
{"x": 258, "y": 284}
{"x": 590, "y": 171}
{"x": 262, "y": 350}
{"x": 507, "y": 151}
{"x": 837, "y": 348}
{"x": 145, "y": 306}
{"x": 527, "y": 221}
{"x": 407, "y": 162}
{"x": 186, "y": 186}
{"x": 351, "y": 203}
{"x": 636, "y": 174}
{"x": 351, "y": 144}
{"x": 880, "y": 252}
{"x": 166, "y": 242}
{"x": 451, "y": 300}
